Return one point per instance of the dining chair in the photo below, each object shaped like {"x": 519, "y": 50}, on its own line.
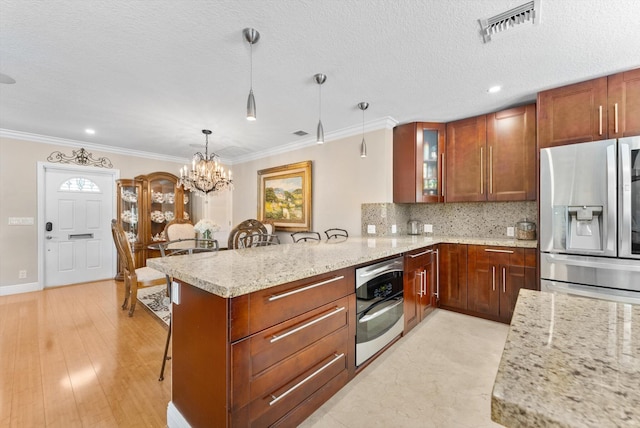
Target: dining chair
{"x": 336, "y": 233}
{"x": 305, "y": 236}
{"x": 133, "y": 278}
{"x": 247, "y": 227}
{"x": 260, "y": 240}
{"x": 176, "y": 248}
{"x": 179, "y": 228}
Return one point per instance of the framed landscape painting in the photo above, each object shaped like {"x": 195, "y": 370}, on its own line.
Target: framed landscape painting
{"x": 284, "y": 196}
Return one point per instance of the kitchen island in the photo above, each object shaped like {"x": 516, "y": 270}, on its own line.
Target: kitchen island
{"x": 265, "y": 335}
{"x": 569, "y": 362}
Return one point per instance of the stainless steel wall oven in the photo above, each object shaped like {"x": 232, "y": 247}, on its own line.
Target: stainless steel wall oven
{"x": 379, "y": 307}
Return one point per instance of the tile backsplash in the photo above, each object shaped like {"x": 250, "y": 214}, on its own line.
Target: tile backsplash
{"x": 472, "y": 219}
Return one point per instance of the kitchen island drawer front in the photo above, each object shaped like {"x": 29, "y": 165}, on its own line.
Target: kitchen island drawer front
{"x": 278, "y": 342}
{"x": 274, "y": 305}
{"x": 272, "y": 393}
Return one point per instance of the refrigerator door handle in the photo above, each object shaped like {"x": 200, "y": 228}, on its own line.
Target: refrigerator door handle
{"x": 610, "y": 244}
{"x": 625, "y": 200}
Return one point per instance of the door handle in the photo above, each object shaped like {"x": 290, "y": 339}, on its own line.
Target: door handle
{"x": 600, "y": 114}
{"x": 49, "y": 237}
{"x": 493, "y": 276}
{"x": 504, "y": 279}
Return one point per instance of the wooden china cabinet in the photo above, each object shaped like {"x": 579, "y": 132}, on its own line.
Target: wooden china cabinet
{"x": 597, "y": 109}
{"x": 418, "y": 162}
{"x": 145, "y": 205}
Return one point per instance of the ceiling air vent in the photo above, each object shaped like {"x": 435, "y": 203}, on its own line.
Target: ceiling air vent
{"x": 528, "y": 13}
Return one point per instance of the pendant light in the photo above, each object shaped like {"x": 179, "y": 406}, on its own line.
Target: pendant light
{"x": 363, "y": 146}
{"x": 320, "y": 79}
{"x": 252, "y": 36}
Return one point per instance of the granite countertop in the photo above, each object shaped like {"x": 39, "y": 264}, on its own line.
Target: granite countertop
{"x": 569, "y": 362}
{"x": 233, "y": 273}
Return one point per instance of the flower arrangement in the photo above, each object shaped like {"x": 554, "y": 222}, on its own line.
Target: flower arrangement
{"x": 206, "y": 227}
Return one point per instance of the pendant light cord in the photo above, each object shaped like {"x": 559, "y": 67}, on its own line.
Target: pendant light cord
{"x": 251, "y": 69}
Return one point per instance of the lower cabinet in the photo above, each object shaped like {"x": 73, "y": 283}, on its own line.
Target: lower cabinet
{"x": 453, "y": 276}
{"x": 420, "y": 285}
{"x": 495, "y": 276}
{"x": 269, "y": 358}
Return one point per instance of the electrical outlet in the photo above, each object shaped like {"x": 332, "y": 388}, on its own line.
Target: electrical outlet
{"x": 394, "y": 228}
{"x": 511, "y": 231}
{"x": 428, "y": 228}
{"x": 22, "y": 274}
{"x": 371, "y": 228}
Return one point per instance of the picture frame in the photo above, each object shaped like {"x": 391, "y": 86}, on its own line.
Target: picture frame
{"x": 284, "y": 196}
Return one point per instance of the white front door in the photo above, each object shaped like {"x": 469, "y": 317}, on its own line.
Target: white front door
{"x": 78, "y": 246}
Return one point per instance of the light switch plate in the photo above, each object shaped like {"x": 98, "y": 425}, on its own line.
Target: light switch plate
{"x": 428, "y": 228}
{"x": 371, "y": 228}
{"x": 511, "y": 231}
{"x": 394, "y": 228}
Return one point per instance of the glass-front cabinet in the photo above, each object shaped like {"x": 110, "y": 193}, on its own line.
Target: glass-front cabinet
{"x": 146, "y": 204}
{"x": 418, "y": 160}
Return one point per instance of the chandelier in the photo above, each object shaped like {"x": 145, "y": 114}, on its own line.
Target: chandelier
{"x": 206, "y": 174}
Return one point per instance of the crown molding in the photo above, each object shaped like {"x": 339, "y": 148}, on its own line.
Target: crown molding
{"x": 386, "y": 122}
{"x": 45, "y": 139}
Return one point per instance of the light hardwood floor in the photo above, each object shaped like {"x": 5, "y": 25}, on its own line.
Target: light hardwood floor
{"x": 70, "y": 357}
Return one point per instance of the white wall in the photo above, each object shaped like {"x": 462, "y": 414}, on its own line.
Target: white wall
{"x": 341, "y": 180}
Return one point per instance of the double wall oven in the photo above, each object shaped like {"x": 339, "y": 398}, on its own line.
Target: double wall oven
{"x": 379, "y": 307}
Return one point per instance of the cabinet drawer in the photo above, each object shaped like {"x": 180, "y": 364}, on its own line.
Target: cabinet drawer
{"x": 274, "y": 392}
{"x": 278, "y": 342}
{"x": 265, "y": 308}
{"x": 418, "y": 258}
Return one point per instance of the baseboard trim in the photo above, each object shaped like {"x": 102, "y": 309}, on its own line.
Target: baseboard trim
{"x": 175, "y": 418}
{"x": 19, "y": 288}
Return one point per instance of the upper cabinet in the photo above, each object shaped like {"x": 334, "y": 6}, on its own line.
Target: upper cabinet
{"x": 492, "y": 157}
{"x": 607, "y": 107}
{"x": 418, "y": 160}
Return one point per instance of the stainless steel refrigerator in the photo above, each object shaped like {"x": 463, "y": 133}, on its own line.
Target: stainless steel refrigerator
{"x": 590, "y": 219}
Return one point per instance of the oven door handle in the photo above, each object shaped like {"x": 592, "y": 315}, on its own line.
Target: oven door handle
{"x": 380, "y": 312}
{"x": 385, "y": 269}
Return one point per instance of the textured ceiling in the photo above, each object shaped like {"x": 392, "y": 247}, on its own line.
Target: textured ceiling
{"x": 149, "y": 75}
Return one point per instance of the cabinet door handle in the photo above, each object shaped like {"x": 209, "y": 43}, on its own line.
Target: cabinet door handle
{"x": 303, "y": 381}
{"x": 481, "y": 173}
{"x": 421, "y": 281}
{"x": 444, "y": 174}
{"x": 504, "y": 279}
{"x": 493, "y": 276}
{"x": 413, "y": 256}
{"x": 308, "y": 287}
{"x": 615, "y": 115}
{"x": 276, "y": 337}
{"x": 437, "y": 274}
{"x": 491, "y": 250}
{"x": 491, "y": 169}
{"x": 600, "y": 114}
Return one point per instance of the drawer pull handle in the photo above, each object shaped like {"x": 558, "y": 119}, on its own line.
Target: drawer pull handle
{"x": 491, "y": 250}
{"x": 276, "y": 337}
{"x": 306, "y": 379}
{"x": 413, "y": 256}
{"x": 308, "y": 287}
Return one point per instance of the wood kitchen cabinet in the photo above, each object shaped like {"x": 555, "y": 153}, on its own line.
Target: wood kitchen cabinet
{"x": 418, "y": 162}
{"x": 496, "y": 275}
{"x": 453, "y": 276}
{"x": 420, "y": 285}
{"x": 492, "y": 157}
{"x": 597, "y": 109}
{"x": 269, "y": 358}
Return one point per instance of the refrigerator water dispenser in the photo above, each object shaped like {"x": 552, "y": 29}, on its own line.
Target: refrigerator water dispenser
{"x": 585, "y": 228}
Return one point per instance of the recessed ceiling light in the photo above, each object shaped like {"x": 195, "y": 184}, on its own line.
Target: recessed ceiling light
{"x": 90, "y": 131}
{"x": 494, "y": 89}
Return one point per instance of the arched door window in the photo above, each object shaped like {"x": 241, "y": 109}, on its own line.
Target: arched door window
{"x": 79, "y": 184}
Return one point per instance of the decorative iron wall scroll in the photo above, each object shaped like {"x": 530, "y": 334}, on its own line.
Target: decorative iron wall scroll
{"x": 80, "y": 157}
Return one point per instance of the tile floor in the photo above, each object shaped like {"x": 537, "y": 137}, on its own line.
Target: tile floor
{"x": 440, "y": 375}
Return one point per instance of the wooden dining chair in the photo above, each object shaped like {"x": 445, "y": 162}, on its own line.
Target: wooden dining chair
{"x": 238, "y": 234}
{"x": 305, "y": 236}
{"x": 336, "y": 233}
{"x": 133, "y": 278}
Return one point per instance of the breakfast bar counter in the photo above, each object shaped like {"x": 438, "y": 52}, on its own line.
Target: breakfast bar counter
{"x": 237, "y": 272}
{"x": 569, "y": 362}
